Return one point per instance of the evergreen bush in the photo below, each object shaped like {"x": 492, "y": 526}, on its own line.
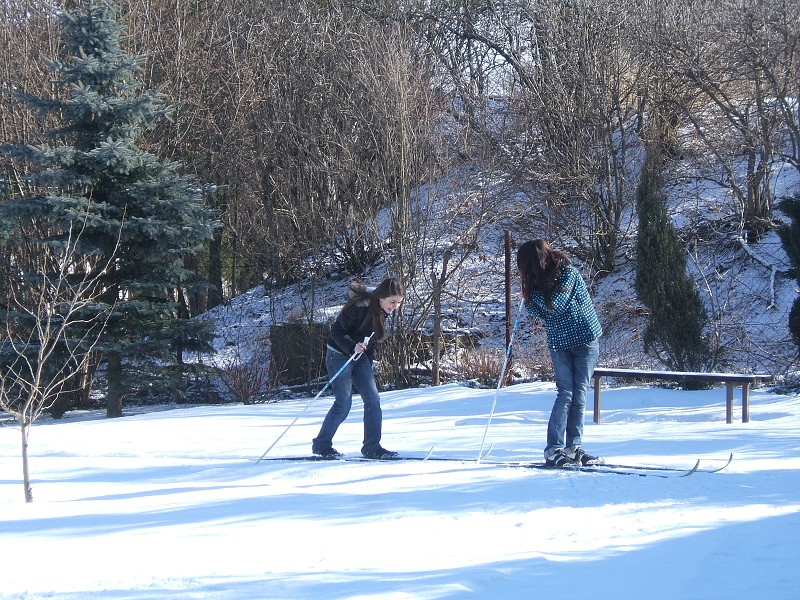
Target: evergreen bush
{"x": 674, "y": 331}
{"x": 790, "y": 238}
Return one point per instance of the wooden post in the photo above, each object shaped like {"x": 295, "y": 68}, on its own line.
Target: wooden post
{"x": 745, "y": 402}
{"x": 729, "y": 401}
{"x": 597, "y": 398}
{"x": 508, "y": 287}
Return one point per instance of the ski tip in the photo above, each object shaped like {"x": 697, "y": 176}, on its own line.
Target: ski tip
{"x": 482, "y": 454}
{"x": 693, "y": 470}
{"x": 727, "y": 462}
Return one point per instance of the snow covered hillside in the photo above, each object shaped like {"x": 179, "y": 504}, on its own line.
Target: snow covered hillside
{"x": 747, "y": 290}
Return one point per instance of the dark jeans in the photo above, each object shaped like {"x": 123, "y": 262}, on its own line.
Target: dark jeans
{"x": 357, "y": 373}
{"x": 573, "y": 367}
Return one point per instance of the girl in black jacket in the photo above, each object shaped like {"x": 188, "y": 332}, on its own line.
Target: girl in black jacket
{"x": 363, "y": 317}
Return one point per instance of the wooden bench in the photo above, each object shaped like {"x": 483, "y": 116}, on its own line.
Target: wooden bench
{"x": 731, "y": 380}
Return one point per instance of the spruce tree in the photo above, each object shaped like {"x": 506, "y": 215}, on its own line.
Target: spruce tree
{"x": 674, "y": 331}
{"x": 790, "y": 238}
{"x": 132, "y": 206}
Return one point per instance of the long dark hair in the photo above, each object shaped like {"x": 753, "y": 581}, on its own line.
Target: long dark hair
{"x": 540, "y": 267}
{"x": 360, "y": 294}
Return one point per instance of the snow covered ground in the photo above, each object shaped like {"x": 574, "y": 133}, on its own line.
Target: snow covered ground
{"x": 171, "y": 504}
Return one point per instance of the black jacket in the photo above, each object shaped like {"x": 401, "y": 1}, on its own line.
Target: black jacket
{"x": 351, "y": 327}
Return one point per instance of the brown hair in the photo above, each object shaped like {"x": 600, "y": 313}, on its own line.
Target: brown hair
{"x": 359, "y": 294}
{"x": 540, "y": 267}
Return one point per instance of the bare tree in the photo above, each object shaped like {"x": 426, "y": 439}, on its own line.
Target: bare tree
{"x": 739, "y": 60}
{"x": 552, "y": 90}
{"x": 276, "y": 109}
{"x": 464, "y": 244}
{"x": 46, "y": 336}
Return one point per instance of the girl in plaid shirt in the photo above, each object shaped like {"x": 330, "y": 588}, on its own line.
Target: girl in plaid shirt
{"x": 555, "y": 292}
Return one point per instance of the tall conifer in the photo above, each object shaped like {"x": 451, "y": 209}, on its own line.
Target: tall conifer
{"x": 135, "y": 206}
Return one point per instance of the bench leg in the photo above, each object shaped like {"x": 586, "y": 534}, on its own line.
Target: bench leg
{"x": 597, "y": 398}
{"x": 729, "y": 402}
{"x": 745, "y": 402}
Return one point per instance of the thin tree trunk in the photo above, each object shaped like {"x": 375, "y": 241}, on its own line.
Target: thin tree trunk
{"x": 274, "y": 244}
{"x": 26, "y": 474}
{"x": 215, "y": 293}
{"x": 437, "y": 328}
{"x": 114, "y": 374}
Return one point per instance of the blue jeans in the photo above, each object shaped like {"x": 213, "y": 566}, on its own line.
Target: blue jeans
{"x": 359, "y": 373}
{"x": 573, "y": 368}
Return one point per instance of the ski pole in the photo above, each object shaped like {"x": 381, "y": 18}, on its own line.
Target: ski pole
{"x": 353, "y": 358}
{"x": 500, "y": 379}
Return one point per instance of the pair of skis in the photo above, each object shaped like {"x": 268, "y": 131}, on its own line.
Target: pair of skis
{"x": 633, "y": 470}
{"x": 610, "y": 468}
